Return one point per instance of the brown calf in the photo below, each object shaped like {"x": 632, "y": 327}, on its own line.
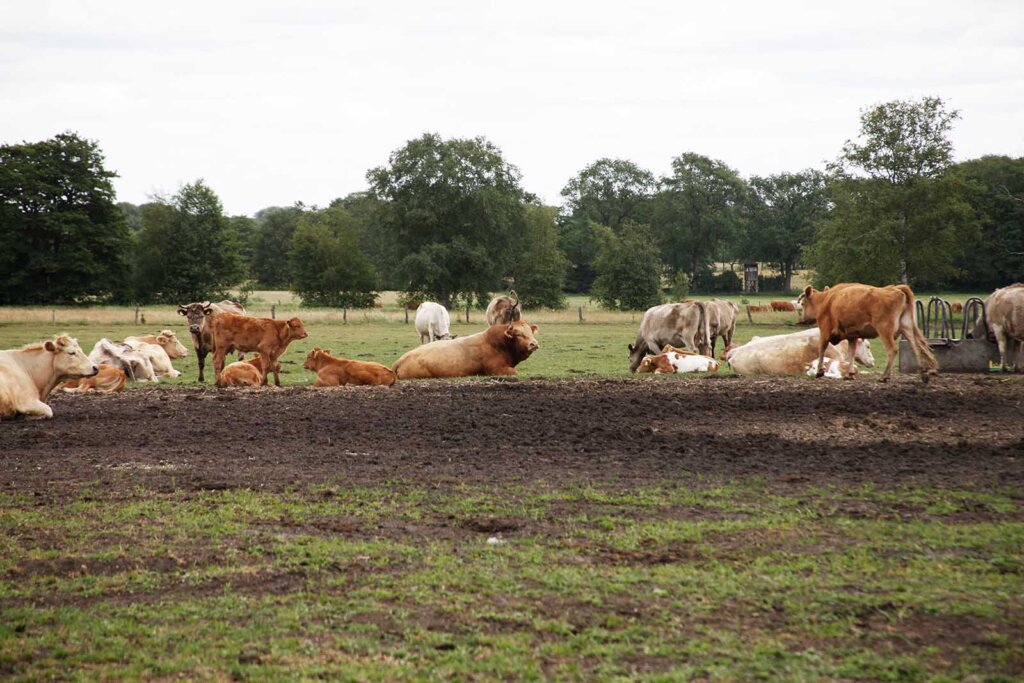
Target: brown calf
{"x": 336, "y": 372}
{"x": 108, "y": 380}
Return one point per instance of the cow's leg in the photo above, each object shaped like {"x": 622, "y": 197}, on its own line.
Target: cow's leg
{"x": 1017, "y": 367}
{"x": 201, "y": 360}
{"x": 34, "y": 409}
{"x": 892, "y": 350}
{"x": 853, "y": 354}
{"x": 218, "y": 364}
{"x": 822, "y": 347}
{"x": 1002, "y": 340}
{"x": 272, "y": 363}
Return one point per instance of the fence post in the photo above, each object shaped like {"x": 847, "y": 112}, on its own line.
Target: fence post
{"x": 136, "y": 314}
{"x": 53, "y": 317}
{"x": 749, "y": 319}
{"x": 406, "y": 307}
{"x": 273, "y": 311}
{"x": 581, "y": 314}
{"x": 467, "y": 311}
{"x": 344, "y": 316}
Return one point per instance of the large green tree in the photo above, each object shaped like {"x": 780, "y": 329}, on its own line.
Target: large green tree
{"x": 996, "y": 191}
{"x": 539, "y": 272}
{"x": 698, "y": 210}
{"x": 452, "y": 211}
{"x": 784, "y": 210}
{"x": 275, "y": 227}
{"x": 64, "y": 238}
{"x": 628, "y": 270}
{"x": 895, "y": 201}
{"x": 328, "y": 266}
{"x": 187, "y": 250}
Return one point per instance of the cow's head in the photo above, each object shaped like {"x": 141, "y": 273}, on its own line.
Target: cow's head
{"x": 520, "y": 341}
{"x": 636, "y": 355}
{"x": 195, "y": 314}
{"x": 315, "y": 359}
{"x": 169, "y": 341}
{"x": 648, "y": 364}
{"x": 69, "y": 360}
{"x": 296, "y": 330}
{"x": 807, "y": 304}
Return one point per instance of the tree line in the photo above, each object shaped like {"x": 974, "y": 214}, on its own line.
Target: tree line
{"x": 449, "y": 220}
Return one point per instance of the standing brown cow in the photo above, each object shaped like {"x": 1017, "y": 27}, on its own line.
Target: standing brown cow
{"x": 242, "y": 333}
{"x": 504, "y": 309}
{"x": 854, "y": 311}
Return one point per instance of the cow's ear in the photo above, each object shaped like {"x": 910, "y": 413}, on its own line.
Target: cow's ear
{"x": 807, "y": 291}
{"x": 182, "y": 310}
{"x": 50, "y": 346}
{"x": 509, "y": 330}
{"x": 630, "y": 347}
{"x": 207, "y": 311}
{"x": 533, "y": 328}
{"x": 162, "y": 339}
{"x": 826, "y": 289}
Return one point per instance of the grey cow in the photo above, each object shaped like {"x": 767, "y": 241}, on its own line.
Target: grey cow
{"x": 682, "y": 325}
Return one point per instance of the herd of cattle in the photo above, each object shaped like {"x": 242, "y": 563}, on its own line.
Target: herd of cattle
{"x": 672, "y": 338}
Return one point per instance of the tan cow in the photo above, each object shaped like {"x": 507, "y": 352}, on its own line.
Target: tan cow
{"x": 166, "y": 339}
{"x": 156, "y": 355}
{"x": 864, "y": 355}
{"x": 495, "y": 351}
{"x": 854, "y": 311}
{"x": 504, "y": 309}
{"x": 336, "y": 372}
{"x": 108, "y": 380}
{"x": 240, "y": 332}
{"x": 682, "y": 325}
{"x": 29, "y": 374}
{"x": 721, "y": 321}
{"x": 777, "y": 355}
{"x": 245, "y": 373}
{"x": 1004, "y": 311}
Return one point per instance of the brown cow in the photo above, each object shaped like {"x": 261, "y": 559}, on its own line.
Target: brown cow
{"x": 335, "y": 372}
{"x": 504, "y": 309}
{"x": 495, "y": 351}
{"x": 108, "y": 380}
{"x": 197, "y": 315}
{"x": 854, "y": 311}
{"x": 269, "y": 337}
{"x": 782, "y": 305}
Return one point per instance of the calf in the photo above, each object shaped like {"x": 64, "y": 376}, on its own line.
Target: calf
{"x": 269, "y": 337}
{"x": 673, "y": 362}
{"x": 245, "y": 373}
{"x": 336, "y": 372}
{"x": 834, "y": 368}
{"x": 108, "y": 380}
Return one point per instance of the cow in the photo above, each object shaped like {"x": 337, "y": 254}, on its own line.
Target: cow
{"x": 682, "y": 325}
{"x": 196, "y": 314}
{"x": 1004, "y": 312}
{"x": 135, "y": 365}
{"x": 675, "y": 362}
{"x": 29, "y": 374}
{"x": 245, "y": 372}
{"x": 721, "y": 321}
{"x": 780, "y": 354}
{"x": 854, "y": 311}
{"x": 783, "y": 306}
{"x": 504, "y": 310}
{"x": 166, "y": 339}
{"x": 243, "y": 333}
{"x": 864, "y": 355}
{"x": 957, "y": 307}
{"x": 336, "y": 372}
{"x": 834, "y": 368}
{"x": 432, "y": 322}
{"x": 495, "y": 351}
{"x": 108, "y": 380}
{"x": 156, "y": 355}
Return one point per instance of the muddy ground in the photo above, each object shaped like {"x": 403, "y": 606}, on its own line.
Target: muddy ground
{"x": 959, "y": 431}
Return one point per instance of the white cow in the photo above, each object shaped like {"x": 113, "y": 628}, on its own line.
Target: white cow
{"x": 672, "y": 362}
{"x": 834, "y": 368}
{"x": 155, "y": 354}
{"x": 29, "y": 374}
{"x": 786, "y": 353}
{"x": 863, "y": 356}
{"x": 432, "y": 322}
{"x": 136, "y": 366}
{"x": 166, "y": 339}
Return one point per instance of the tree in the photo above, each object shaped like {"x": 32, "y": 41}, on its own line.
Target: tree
{"x": 452, "y": 212}
{"x": 895, "y": 201}
{"x": 328, "y": 267}
{"x": 187, "y": 250}
{"x": 245, "y": 231}
{"x": 275, "y": 228}
{"x": 784, "y": 210}
{"x": 609, "y": 192}
{"x": 540, "y": 268}
{"x": 628, "y": 269}
{"x": 996, "y": 192}
{"x": 65, "y": 240}
{"x": 698, "y": 209}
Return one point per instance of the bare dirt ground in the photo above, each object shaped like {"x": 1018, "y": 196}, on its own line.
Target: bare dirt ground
{"x": 960, "y": 430}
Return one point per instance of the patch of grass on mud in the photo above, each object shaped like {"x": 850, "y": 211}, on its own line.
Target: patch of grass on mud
{"x": 729, "y": 579}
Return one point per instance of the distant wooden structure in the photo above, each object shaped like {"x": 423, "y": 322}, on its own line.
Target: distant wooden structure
{"x": 750, "y": 277}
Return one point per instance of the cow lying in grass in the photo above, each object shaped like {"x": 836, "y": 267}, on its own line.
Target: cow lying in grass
{"x": 246, "y": 372}
{"x": 678, "y": 362}
{"x": 336, "y": 372}
{"x": 495, "y": 351}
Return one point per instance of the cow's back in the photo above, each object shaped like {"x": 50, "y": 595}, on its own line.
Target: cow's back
{"x": 1005, "y": 309}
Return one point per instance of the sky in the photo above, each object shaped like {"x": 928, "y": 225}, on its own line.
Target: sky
{"x": 271, "y": 103}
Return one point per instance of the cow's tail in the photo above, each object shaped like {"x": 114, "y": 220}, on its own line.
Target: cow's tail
{"x": 922, "y": 352}
{"x": 704, "y": 346}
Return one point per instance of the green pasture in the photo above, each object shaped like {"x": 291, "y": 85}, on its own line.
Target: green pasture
{"x": 700, "y": 580}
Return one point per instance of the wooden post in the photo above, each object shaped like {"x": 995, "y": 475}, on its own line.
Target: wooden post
{"x": 581, "y": 314}
{"x": 467, "y": 310}
{"x": 344, "y": 316}
{"x": 53, "y": 317}
{"x": 749, "y": 318}
{"x": 406, "y": 314}
{"x": 273, "y": 311}
{"x": 136, "y": 314}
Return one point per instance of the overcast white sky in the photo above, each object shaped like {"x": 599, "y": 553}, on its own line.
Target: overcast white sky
{"x": 277, "y": 102}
